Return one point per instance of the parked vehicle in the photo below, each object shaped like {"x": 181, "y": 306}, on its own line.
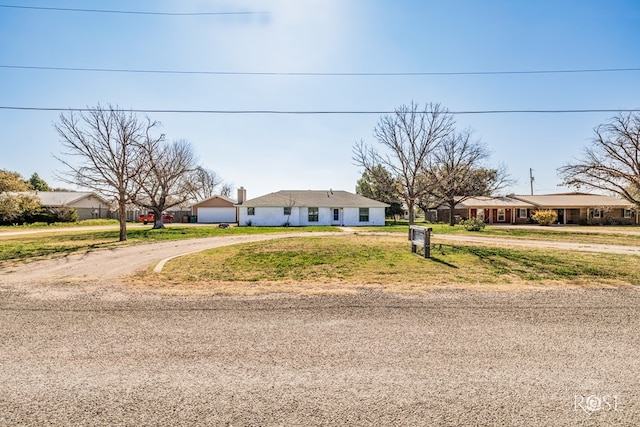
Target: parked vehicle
{"x": 149, "y": 217}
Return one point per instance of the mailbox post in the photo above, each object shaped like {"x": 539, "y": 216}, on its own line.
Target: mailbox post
{"x": 420, "y": 236}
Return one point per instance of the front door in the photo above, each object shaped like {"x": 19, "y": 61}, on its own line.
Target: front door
{"x": 560, "y": 216}
{"x": 336, "y": 216}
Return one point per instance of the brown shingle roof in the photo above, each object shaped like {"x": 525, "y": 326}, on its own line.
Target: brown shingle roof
{"x": 574, "y": 200}
{"x": 497, "y": 202}
{"x": 62, "y": 198}
{"x": 228, "y": 200}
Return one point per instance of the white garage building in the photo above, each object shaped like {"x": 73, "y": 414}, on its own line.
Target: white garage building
{"x": 214, "y": 210}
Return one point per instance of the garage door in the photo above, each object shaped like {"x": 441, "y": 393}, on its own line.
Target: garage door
{"x": 216, "y": 214}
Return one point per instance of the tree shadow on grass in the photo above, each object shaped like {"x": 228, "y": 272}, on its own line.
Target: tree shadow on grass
{"x": 438, "y": 248}
{"x": 443, "y": 262}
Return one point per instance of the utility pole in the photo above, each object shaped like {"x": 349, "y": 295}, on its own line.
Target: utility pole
{"x": 531, "y": 179}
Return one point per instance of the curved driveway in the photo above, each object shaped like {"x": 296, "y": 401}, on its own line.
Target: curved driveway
{"x": 107, "y": 265}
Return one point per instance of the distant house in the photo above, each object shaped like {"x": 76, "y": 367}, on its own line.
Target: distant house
{"x": 87, "y": 205}
{"x": 310, "y": 207}
{"x": 492, "y": 210}
{"x": 216, "y": 209}
{"x": 585, "y": 208}
{"x": 572, "y": 208}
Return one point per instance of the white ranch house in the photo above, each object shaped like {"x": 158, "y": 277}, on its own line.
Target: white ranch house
{"x": 309, "y": 207}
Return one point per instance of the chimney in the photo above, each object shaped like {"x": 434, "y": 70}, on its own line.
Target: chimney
{"x": 242, "y": 195}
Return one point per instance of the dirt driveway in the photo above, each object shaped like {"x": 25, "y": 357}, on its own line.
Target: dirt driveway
{"x": 539, "y": 244}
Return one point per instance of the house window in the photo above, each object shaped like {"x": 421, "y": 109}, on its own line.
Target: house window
{"x": 287, "y": 211}
{"x": 480, "y": 214}
{"x": 251, "y": 211}
{"x": 627, "y": 213}
{"x": 364, "y": 214}
{"x": 597, "y": 213}
{"x": 501, "y": 215}
{"x": 313, "y": 214}
{"x": 522, "y": 213}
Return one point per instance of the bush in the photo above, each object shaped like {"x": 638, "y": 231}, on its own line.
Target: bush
{"x": 545, "y": 217}
{"x": 14, "y": 207}
{"x": 66, "y": 214}
{"x": 51, "y": 216}
{"x": 473, "y": 224}
{"x": 42, "y": 216}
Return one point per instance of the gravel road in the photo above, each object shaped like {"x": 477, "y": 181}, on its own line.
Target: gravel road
{"x": 78, "y": 349}
{"x": 451, "y": 358}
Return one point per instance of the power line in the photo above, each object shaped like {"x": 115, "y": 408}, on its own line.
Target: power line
{"x": 337, "y": 74}
{"x": 130, "y": 12}
{"x": 324, "y": 112}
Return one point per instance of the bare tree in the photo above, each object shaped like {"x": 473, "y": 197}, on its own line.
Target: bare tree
{"x": 205, "y": 183}
{"x": 226, "y": 189}
{"x": 105, "y": 142}
{"x": 163, "y": 180}
{"x": 457, "y": 172}
{"x": 408, "y": 138}
{"x": 288, "y": 206}
{"x": 612, "y": 161}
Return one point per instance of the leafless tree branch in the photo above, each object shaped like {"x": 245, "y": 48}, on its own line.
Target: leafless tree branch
{"x": 205, "y": 183}
{"x": 407, "y": 139}
{"x": 457, "y": 171}
{"x": 163, "y": 178}
{"x": 101, "y": 152}
{"x": 611, "y": 162}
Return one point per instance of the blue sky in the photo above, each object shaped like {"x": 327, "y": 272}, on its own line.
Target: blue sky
{"x": 266, "y": 153}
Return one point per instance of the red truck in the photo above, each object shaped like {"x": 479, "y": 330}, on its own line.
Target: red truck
{"x": 149, "y": 217}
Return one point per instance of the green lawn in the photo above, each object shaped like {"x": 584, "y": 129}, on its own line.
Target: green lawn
{"x": 348, "y": 262}
{"x": 343, "y": 262}
{"x": 69, "y": 240}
